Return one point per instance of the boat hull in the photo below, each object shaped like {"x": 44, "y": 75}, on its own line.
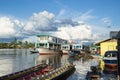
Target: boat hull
{"x": 46, "y": 51}
{"x": 110, "y": 61}
{"x": 65, "y": 74}
{"x": 111, "y": 65}
{"x": 65, "y": 52}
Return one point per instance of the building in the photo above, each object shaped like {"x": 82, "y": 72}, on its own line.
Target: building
{"x": 48, "y": 41}
{"x": 113, "y": 34}
{"x": 106, "y": 45}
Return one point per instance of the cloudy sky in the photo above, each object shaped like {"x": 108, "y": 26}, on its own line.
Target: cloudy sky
{"x": 85, "y": 20}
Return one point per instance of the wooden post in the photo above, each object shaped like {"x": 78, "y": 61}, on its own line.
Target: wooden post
{"x": 118, "y": 56}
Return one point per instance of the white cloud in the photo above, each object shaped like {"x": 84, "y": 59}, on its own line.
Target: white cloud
{"x": 61, "y": 13}
{"x": 106, "y": 21}
{"x": 86, "y": 16}
{"x": 42, "y": 21}
{"x": 9, "y": 27}
{"x": 45, "y": 21}
{"x": 6, "y": 27}
{"x": 30, "y": 39}
{"x": 74, "y": 32}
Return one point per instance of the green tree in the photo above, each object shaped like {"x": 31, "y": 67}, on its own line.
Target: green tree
{"x": 26, "y": 44}
{"x": 15, "y": 43}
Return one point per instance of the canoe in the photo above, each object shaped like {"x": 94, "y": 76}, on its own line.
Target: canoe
{"x": 27, "y": 73}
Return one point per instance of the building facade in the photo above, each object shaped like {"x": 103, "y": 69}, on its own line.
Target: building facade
{"x": 107, "y": 45}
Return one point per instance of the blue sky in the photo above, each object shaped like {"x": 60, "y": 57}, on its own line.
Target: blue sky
{"x": 91, "y": 19}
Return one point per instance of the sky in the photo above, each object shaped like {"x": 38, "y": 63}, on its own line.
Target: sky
{"x": 79, "y": 20}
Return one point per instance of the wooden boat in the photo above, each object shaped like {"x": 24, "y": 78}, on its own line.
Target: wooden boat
{"x": 65, "y": 74}
{"x": 94, "y": 74}
{"x": 61, "y": 73}
{"x": 36, "y": 73}
{"x": 26, "y": 74}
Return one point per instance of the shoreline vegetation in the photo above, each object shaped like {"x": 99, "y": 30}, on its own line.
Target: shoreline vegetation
{"x": 16, "y": 44}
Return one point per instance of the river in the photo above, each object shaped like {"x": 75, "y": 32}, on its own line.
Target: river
{"x": 13, "y": 60}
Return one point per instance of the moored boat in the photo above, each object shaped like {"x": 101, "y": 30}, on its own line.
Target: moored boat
{"x": 110, "y": 59}
{"x": 110, "y": 62}
{"x": 94, "y": 74}
{"x": 72, "y": 46}
{"x": 34, "y": 51}
{"x": 65, "y": 48}
{"x": 61, "y": 73}
{"x": 49, "y": 45}
{"x": 26, "y": 74}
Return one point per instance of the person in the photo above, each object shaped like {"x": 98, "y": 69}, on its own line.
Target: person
{"x": 98, "y": 51}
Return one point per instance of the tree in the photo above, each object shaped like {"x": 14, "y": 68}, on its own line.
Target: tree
{"x": 14, "y": 42}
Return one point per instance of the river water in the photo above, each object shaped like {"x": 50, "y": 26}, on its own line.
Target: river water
{"x": 13, "y": 60}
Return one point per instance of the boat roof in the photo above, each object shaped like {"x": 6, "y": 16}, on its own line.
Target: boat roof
{"x": 38, "y": 35}
{"x": 111, "y": 52}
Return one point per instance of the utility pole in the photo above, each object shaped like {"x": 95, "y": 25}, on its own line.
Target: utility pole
{"x": 118, "y": 55}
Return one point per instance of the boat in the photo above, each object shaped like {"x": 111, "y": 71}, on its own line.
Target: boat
{"x": 76, "y": 47}
{"x": 49, "y": 45}
{"x": 60, "y": 73}
{"x": 110, "y": 59}
{"x": 26, "y": 74}
{"x": 65, "y": 73}
{"x": 94, "y": 74}
{"x": 34, "y": 51}
{"x": 74, "y": 52}
{"x": 39, "y": 73}
{"x": 65, "y": 48}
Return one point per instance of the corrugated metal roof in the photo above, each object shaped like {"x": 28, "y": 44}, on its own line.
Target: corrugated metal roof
{"x": 103, "y": 41}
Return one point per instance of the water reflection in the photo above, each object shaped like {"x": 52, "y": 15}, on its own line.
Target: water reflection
{"x": 84, "y": 64}
{"x": 64, "y": 60}
{"x": 54, "y": 60}
{"x": 12, "y": 60}
{"x": 16, "y": 60}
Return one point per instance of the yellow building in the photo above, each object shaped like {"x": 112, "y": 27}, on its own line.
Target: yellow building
{"x": 107, "y": 45}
